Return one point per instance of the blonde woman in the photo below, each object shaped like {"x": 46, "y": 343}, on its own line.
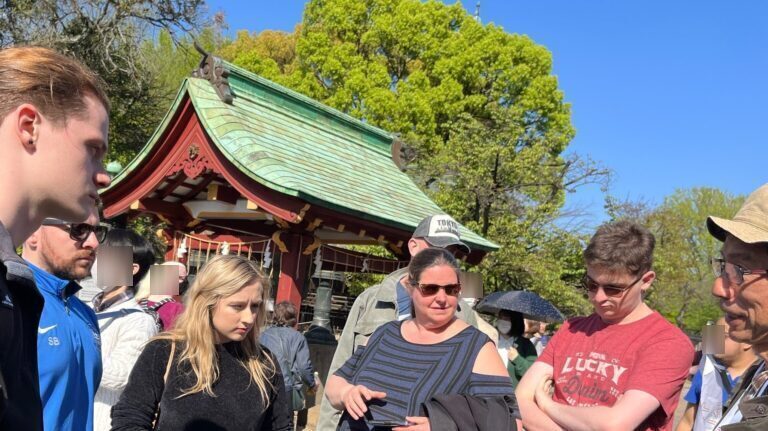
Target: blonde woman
{"x": 210, "y": 372}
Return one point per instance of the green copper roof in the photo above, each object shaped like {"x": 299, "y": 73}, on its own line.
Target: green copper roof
{"x": 297, "y": 146}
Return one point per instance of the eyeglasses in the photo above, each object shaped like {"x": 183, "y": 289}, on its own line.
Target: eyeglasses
{"x": 591, "y": 286}
{"x": 432, "y": 289}
{"x": 79, "y": 231}
{"x": 732, "y": 272}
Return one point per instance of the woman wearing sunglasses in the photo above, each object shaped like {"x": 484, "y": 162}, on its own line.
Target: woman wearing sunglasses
{"x": 405, "y": 363}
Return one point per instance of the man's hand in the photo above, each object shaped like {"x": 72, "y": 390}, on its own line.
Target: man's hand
{"x": 417, "y": 423}
{"x": 534, "y": 419}
{"x": 544, "y": 391}
{"x": 355, "y": 399}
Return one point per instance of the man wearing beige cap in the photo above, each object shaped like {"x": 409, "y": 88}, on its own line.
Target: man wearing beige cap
{"x": 743, "y": 297}
{"x": 389, "y": 300}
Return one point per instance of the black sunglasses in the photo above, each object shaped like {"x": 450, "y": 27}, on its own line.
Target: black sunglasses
{"x": 79, "y": 231}
{"x": 591, "y": 286}
{"x": 432, "y": 289}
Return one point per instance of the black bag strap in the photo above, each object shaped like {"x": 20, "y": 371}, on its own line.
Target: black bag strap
{"x": 727, "y": 385}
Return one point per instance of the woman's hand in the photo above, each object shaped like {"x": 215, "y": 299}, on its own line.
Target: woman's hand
{"x": 355, "y": 399}
{"x": 512, "y": 353}
{"x": 417, "y": 423}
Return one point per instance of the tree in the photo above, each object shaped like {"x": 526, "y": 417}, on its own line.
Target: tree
{"x": 171, "y": 60}
{"x": 684, "y": 248}
{"x": 107, "y": 36}
{"x": 271, "y": 54}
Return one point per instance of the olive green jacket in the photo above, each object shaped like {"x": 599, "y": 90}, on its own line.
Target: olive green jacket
{"x": 754, "y": 412}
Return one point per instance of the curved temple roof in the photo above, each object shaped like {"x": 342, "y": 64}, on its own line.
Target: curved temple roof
{"x": 299, "y": 147}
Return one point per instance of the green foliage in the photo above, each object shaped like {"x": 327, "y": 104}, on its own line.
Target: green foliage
{"x": 170, "y": 61}
{"x": 271, "y": 54}
{"x": 356, "y": 282}
{"x": 148, "y": 228}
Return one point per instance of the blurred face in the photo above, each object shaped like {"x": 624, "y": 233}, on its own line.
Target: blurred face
{"x": 435, "y": 311}
{"x": 60, "y": 255}
{"x": 745, "y": 305}
{"x": 235, "y": 315}
{"x": 612, "y": 306}
{"x": 68, "y": 170}
{"x": 732, "y": 350}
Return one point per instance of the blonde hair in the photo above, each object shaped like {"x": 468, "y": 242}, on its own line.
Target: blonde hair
{"x": 52, "y": 82}
{"x": 221, "y": 277}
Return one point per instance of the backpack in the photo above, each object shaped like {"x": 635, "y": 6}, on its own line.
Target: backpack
{"x": 152, "y": 310}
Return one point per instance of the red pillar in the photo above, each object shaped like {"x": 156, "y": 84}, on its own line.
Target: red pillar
{"x": 293, "y": 269}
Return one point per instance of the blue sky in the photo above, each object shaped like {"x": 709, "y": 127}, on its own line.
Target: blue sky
{"x": 668, "y": 94}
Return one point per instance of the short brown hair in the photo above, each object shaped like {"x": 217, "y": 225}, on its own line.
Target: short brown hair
{"x": 285, "y": 314}
{"x": 621, "y": 246}
{"x": 52, "y": 82}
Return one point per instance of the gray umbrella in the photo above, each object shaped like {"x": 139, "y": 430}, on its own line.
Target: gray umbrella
{"x": 530, "y": 304}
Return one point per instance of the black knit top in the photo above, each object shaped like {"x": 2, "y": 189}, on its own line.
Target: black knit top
{"x": 237, "y": 406}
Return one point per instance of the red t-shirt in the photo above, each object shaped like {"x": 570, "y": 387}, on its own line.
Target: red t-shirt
{"x": 594, "y": 363}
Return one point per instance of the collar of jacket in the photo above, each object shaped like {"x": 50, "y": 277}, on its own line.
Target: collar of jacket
{"x": 16, "y": 269}
{"x": 52, "y": 284}
{"x": 388, "y": 290}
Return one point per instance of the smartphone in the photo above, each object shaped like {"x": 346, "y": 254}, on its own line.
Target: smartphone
{"x": 388, "y": 423}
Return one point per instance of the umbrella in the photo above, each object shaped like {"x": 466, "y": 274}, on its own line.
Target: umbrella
{"x": 530, "y": 304}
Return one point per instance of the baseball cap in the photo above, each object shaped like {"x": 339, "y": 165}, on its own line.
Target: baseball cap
{"x": 440, "y": 231}
{"x": 749, "y": 225}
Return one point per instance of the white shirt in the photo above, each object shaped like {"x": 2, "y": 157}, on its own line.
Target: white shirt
{"x": 504, "y": 345}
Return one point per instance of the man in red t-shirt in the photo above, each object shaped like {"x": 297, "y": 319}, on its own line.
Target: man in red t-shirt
{"x": 622, "y": 367}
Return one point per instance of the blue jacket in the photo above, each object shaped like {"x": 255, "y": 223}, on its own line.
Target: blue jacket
{"x": 69, "y": 355}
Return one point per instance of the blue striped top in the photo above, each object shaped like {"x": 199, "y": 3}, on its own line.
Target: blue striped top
{"x": 411, "y": 374}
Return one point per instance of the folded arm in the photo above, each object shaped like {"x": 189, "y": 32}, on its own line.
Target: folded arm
{"x": 628, "y": 412}
{"x": 534, "y": 418}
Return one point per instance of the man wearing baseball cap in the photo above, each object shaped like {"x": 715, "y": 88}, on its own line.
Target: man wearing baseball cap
{"x": 389, "y": 301}
{"x": 743, "y": 296}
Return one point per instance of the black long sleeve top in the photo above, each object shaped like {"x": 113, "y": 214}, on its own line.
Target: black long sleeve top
{"x": 236, "y": 406}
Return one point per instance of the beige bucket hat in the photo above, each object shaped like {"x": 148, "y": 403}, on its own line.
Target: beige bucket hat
{"x": 750, "y": 224}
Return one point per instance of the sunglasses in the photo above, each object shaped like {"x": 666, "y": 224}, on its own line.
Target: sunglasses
{"x": 592, "y": 286}
{"x": 432, "y": 289}
{"x": 79, "y": 231}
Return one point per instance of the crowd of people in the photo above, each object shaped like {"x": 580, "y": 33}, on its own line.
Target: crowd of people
{"x": 412, "y": 355}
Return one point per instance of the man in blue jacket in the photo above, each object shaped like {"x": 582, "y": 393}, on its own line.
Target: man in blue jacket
{"x": 68, "y": 343}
